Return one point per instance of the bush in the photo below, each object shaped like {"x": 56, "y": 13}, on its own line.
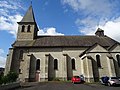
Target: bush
{"x": 0, "y": 79}
{"x": 56, "y": 79}
{"x": 10, "y": 77}
{"x": 4, "y": 80}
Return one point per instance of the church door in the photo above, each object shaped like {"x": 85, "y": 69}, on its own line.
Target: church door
{"x": 37, "y": 76}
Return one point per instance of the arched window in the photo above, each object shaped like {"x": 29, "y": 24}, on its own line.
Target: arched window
{"x": 20, "y": 72}
{"x": 28, "y": 28}
{"x": 73, "y": 64}
{"x": 38, "y": 64}
{"x": 118, "y": 59}
{"x": 23, "y": 29}
{"x": 21, "y": 54}
{"x": 55, "y": 64}
{"x": 98, "y": 61}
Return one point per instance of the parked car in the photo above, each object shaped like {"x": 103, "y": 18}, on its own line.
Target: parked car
{"x": 76, "y": 79}
{"x": 104, "y": 80}
{"x": 110, "y": 81}
{"x": 119, "y": 78}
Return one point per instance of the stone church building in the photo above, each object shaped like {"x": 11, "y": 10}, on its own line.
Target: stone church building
{"x": 45, "y": 58}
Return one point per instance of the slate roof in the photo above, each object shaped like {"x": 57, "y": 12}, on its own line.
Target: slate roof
{"x": 29, "y": 16}
{"x": 66, "y": 41}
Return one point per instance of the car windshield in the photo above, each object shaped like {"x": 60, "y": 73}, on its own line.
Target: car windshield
{"x": 114, "y": 78}
{"x": 76, "y": 77}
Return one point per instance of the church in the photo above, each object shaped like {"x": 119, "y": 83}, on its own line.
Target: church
{"x": 45, "y": 58}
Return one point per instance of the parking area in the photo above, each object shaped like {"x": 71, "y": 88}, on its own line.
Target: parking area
{"x": 65, "y": 86}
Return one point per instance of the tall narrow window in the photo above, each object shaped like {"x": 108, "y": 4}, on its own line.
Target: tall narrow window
{"x": 21, "y": 54}
{"x": 20, "y": 72}
{"x": 55, "y": 64}
{"x": 73, "y": 64}
{"x": 23, "y": 28}
{"x": 38, "y": 64}
{"x": 118, "y": 59}
{"x": 28, "y": 28}
{"x": 98, "y": 61}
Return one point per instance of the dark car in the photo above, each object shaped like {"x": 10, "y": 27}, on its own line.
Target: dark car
{"x": 76, "y": 79}
{"x": 104, "y": 80}
{"x": 110, "y": 81}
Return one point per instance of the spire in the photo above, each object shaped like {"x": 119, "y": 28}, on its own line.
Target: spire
{"x": 29, "y": 16}
{"x": 31, "y": 2}
{"x": 99, "y": 32}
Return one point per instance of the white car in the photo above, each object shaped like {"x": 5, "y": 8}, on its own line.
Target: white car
{"x": 113, "y": 81}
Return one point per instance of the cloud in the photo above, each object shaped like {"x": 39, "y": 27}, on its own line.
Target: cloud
{"x": 111, "y": 28}
{"x": 9, "y": 16}
{"x": 2, "y": 59}
{"x": 87, "y": 25}
{"x": 96, "y": 13}
{"x": 49, "y": 31}
{"x": 11, "y": 4}
{"x": 1, "y": 51}
{"x": 10, "y": 23}
{"x": 6, "y": 4}
{"x": 93, "y": 7}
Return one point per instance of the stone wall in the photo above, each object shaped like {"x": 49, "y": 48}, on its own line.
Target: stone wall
{"x": 54, "y": 53}
{"x": 8, "y": 61}
{"x": 86, "y": 66}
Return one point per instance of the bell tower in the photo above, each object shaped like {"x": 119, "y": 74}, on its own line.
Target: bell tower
{"x": 99, "y": 33}
{"x": 27, "y": 27}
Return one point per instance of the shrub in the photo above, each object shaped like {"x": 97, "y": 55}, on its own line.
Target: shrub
{"x": 1, "y": 76}
{"x": 10, "y": 77}
{"x": 56, "y": 79}
{"x": 4, "y": 80}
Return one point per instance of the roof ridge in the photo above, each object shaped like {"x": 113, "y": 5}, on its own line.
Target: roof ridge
{"x": 66, "y": 36}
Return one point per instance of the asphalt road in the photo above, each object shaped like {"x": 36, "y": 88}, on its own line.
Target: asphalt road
{"x": 65, "y": 86}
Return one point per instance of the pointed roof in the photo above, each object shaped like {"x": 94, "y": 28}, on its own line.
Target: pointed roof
{"x": 91, "y": 47}
{"x": 113, "y": 46}
{"x": 29, "y": 16}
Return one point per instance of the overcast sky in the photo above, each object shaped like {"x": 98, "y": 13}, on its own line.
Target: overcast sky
{"x": 59, "y": 17}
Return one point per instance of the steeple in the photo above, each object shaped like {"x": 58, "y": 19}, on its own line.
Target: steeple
{"x": 27, "y": 27}
{"x": 29, "y": 16}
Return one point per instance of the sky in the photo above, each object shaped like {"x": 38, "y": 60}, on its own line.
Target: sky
{"x": 59, "y": 17}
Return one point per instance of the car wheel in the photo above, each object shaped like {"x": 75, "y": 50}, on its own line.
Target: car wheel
{"x": 114, "y": 84}
{"x": 109, "y": 84}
